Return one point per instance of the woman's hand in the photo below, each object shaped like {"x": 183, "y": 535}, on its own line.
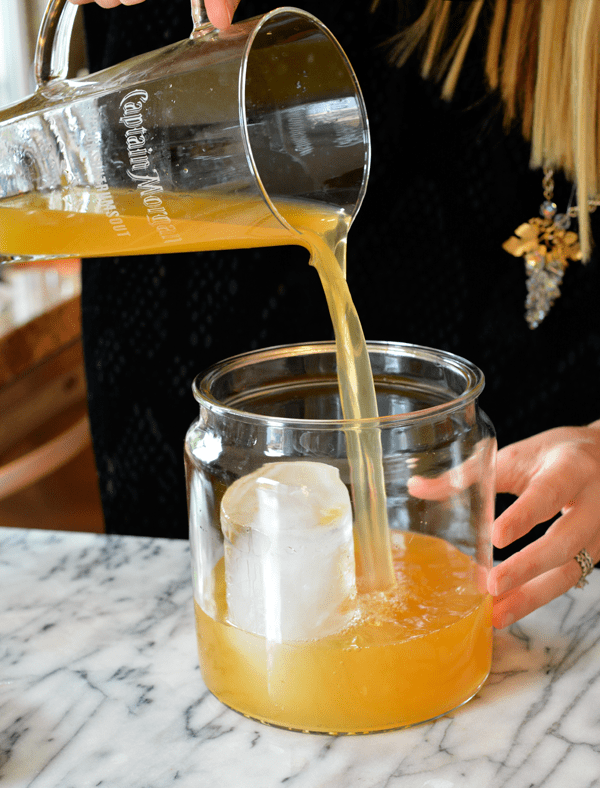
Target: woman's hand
{"x": 220, "y": 12}
{"x": 555, "y": 471}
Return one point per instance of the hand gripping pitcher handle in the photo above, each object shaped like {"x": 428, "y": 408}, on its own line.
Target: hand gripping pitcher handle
{"x": 54, "y": 38}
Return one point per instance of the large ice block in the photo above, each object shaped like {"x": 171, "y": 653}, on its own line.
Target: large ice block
{"x": 289, "y": 551}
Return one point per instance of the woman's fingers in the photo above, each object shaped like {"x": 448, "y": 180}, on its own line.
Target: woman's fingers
{"x": 220, "y": 12}
{"x": 537, "y": 592}
{"x": 557, "y": 471}
{"x": 107, "y": 3}
{"x": 545, "y": 479}
{"x": 526, "y": 598}
{"x": 470, "y": 472}
{"x": 577, "y": 528}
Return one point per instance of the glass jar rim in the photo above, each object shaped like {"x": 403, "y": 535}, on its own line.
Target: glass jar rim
{"x": 204, "y": 381}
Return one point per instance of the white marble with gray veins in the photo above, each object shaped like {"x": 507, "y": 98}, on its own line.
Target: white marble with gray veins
{"x": 99, "y": 686}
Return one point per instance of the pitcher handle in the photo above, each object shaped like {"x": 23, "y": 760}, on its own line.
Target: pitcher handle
{"x": 54, "y": 39}
{"x": 199, "y": 15}
{"x": 52, "y": 50}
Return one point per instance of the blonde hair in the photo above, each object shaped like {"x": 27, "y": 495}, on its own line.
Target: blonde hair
{"x": 543, "y": 56}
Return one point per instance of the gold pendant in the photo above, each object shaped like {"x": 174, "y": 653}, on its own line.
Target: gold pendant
{"x": 547, "y": 245}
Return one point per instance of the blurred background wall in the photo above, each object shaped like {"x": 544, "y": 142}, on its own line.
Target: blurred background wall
{"x": 47, "y": 469}
{"x": 19, "y": 25}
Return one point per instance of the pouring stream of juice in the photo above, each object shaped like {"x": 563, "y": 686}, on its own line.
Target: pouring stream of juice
{"x": 374, "y": 566}
{"x": 79, "y": 222}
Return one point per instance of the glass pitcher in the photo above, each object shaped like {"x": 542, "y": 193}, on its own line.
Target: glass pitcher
{"x": 209, "y": 143}
{"x": 285, "y": 634}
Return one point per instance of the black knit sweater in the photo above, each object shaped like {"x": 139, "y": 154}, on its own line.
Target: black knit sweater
{"x": 425, "y": 265}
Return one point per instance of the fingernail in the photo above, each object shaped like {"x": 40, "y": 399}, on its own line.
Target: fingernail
{"x": 503, "y": 585}
{"x": 507, "y": 620}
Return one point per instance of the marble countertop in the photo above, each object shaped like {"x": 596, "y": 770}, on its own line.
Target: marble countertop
{"x": 99, "y": 686}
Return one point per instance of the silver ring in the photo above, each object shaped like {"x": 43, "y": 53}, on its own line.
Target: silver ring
{"x": 584, "y": 560}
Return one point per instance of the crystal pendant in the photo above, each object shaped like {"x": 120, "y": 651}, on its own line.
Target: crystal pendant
{"x": 543, "y": 287}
